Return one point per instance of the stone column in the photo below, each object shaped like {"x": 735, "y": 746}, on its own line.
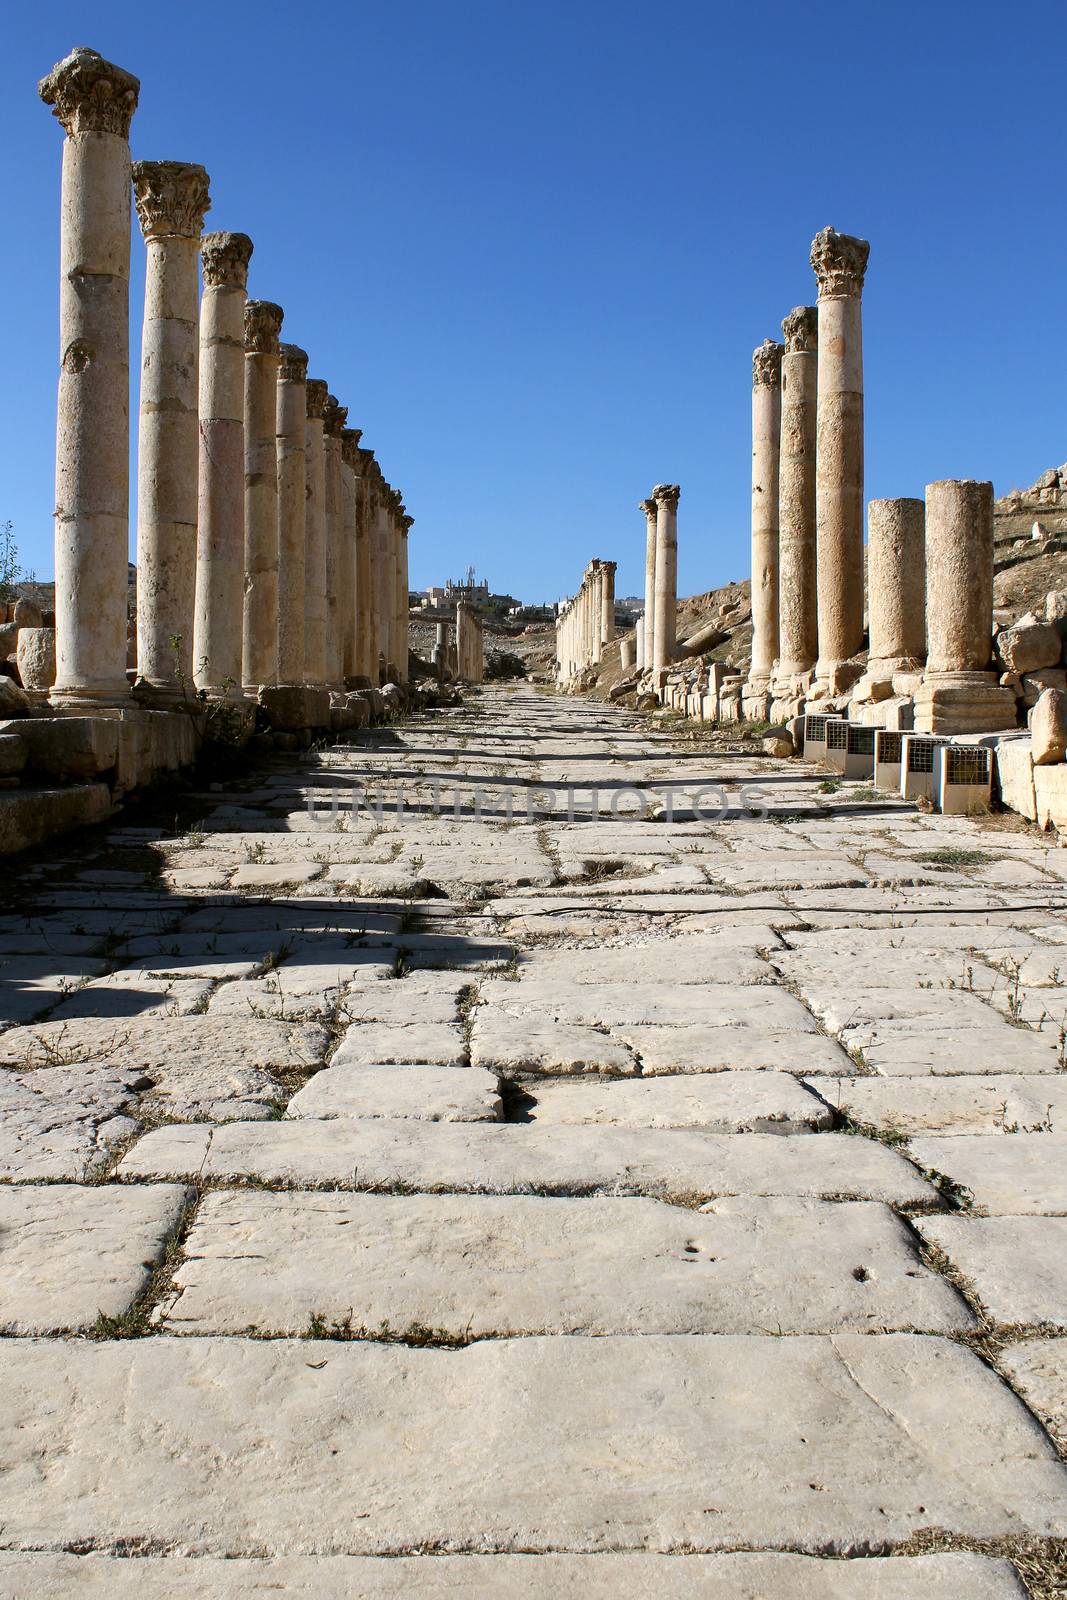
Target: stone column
{"x": 366, "y": 505}
{"x": 263, "y": 322}
{"x": 333, "y": 421}
{"x": 958, "y": 693}
{"x": 171, "y": 198}
{"x": 607, "y": 601}
{"x": 665, "y": 626}
{"x": 651, "y": 511}
{"x": 639, "y": 644}
{"x": 220, "y": 551}
{"x": 95, "y": 102}
{"x": 766, "y": 444}
{"x": 839, "y": 262}
{"x": 315, "y": 535}
{"x": 352, "y": 490}
{"x": 383, "y": 577}
{"x": 592, "y": 614}
{"x": 440, "y": 647}
{"x": 896, "y": 588}
{"x": 292, "y": 513}
{"x": 798, "y": 627}
{"x": 404, "y": 624}
{"x": 627, "y": 654}
{"x": 463, "y": 648}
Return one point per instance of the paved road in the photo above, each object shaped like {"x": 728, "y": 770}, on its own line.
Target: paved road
{"x": 535, "y": 1153}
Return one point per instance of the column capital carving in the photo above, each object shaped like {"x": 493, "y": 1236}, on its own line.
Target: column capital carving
{"x": 801, "y": 329}
{"x": 294, "y": 365}
{"x": 366, "y": 458}
{"x": 767, "y": 365}
{"x": 318, "y": 394}
{"x": 406, "y": 522}
{"x": 171, "y": 198}
{"x": 90, "y": 95}
{"x": 350, "y": 451}
{"x": 225, "y": 258}
{"x": 263, "y": 324}
{"x": 610, "y": 566}
{"x": 334, "y": 416}
{"x": 667, "y": 494}
{"x": 839, "y": 262}
{"x": 647, "y": 506}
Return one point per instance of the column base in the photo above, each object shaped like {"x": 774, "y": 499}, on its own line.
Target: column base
{"x": 75, "y": 697}
{"x": 835, "y": 678}
{"x": 789, "y": 691}
{"x": 963, "y": 702}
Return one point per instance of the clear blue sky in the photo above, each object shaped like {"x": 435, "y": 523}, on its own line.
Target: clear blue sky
{"x": 532, "y": 246}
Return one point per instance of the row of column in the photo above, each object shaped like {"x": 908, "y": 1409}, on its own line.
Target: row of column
{"x": 586, "y": 622}
{"x": 270, "y": 548}
{"x": 657, "y": 629}
{"x": 929, "y": 568}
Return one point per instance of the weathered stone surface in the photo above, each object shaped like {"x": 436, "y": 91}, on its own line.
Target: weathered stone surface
{"x": 59, "y": 1122}
{"x": 1038, "y": 1370}
{"x": 29, "y": 817}
{"x": 504, "y": 1159}
{"x": 1021, "y": 1174}
{"x": 79, "y": 748}
{"x": 69, "y": 1254}
{"x": 1017, "y": 1266}
{"x": 431, "y": 1094}
{"x": 14, "y": 702}
{"x": 36, "y": 656}
{"x": 608, "y": 1576}
{"x": 1030, "y": 643}
{"x": 509, "y": 1045}
{"x": 486, "y": 1265}
{"x": 739, "y": 1424}
{"x": 723, "y": 1102}
{"x": 170, "y": 1043}
{"x": 421, "y": 1043}
{"x": 994, "y": 1104}
{"x": 12, "y": 755}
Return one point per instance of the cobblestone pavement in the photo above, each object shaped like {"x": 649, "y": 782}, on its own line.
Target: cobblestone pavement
{"x": 528, "y": 1204}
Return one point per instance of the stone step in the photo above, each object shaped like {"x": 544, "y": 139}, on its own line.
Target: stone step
{"x": 822, "y": 1445}
{"x": 500, "y": 1158}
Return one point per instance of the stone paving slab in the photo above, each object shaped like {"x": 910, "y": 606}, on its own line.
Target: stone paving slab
{"x": 472, "y": 1266}
{"x": 713, "y": 1049}
{"x": 1017, "y": 1174}
{"x": 512, "y": 1045}
{"x": 681, "y": 1163}
{"x": 1038, "y": 1370}
{"x": 432, "y": 1094}
{"x": 69, "y": 1253}
{"x": 723, "y": 1102}
{"x": 1017, "y": 1266}
{"x": 992, "y": 1104}
{"x": 420, "y": 1043}
{"x": 59, "y": 1122}
{"x": 719, "y": 1005}
{"x": 609, "y": 1576}
{"x": 156, "y": 1043}
{"x": 821, "y": 1443}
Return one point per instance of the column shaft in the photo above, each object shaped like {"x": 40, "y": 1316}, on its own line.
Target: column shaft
{"x": 798, "y": 627}
{"x": 649, "y": 631}
{"x": 263, "y": 321}
{"x": 292, "y": 512}
{"x": 665, "y": 625}
{"x": 95, "y": 102}
{"x": 896, "y": 586}
{"x": 220, "y": 553}
{"x": 315, "y": 536}
{"x": 766, "y": 445}
{"x": 334, "y": 421}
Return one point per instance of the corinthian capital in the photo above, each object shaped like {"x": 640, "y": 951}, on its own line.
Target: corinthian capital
{"x": 647, "y": 506}
{"x": 294, "y": 364}
{"x": 171, "y": 198}
{"x": 334, "y": 416}
{"x": 801, "y": 329}
{"x": 767, "y": 365}
{"x": 666, "y": 494}
{"x": 225, "y": 258}
{"x": 318, "y": 394}
{"x": 91, "y": 95}
{"x": 350, "y": 452}
{"x": 263, "y": 324}
{"x": 839, "y": 262}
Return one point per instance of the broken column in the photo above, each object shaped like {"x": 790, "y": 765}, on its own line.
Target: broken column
{"x": 959, "y": 693}
{"x": 171, "y": 199}
{"x": 315, "y": 534}
{"x": 220, "y": 552}
{"x": 839, "y": 262}
{"x": 263, "y": 321}
{"x": 292, "y": 512}
{"x": 798, "y": 626}
{"x": 766, "y": 444}
{"x": 896, "y": 591}
{"x": 665, "y": 624}
{"x": 95, "y": 102}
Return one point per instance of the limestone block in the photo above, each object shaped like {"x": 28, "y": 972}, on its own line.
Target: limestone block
{"x": 70, "y": 747}
{"x": 609, "y": 1576}
{"x": 722, "y": 1102}
{"x": 14, "y": 702}
{"x": 465, "y": 1263}
{"x": 57, "y": 1124}
{"x": 428, "y": 1093}
{"x": 1048, "y": 728}
{"x": 587, "y": 1436}
{"x": 950, "y": 1105}
{"x": 37, "y": 658}
{"x": 13, "y": 753}
{"x": 290, "y": 708}
{"x": 1056, "y": 611}
{"x": 1038, "y": 1370}
{"x": 1033, "y": 684}
{"x": 30, "y": 816}
{"x": 9, "y": 639}
{"x": 1020, "y": 1175}
{"x": 69, "y": 1254}
{"x": 27, "y": 615}
{"x": 1017, "y": 1266}
{"x": 1029, "y": 644}
{"x": 506, "y": 1158}
{"x": 1050, "y": 794}
{"x": 1015, "y": 775}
